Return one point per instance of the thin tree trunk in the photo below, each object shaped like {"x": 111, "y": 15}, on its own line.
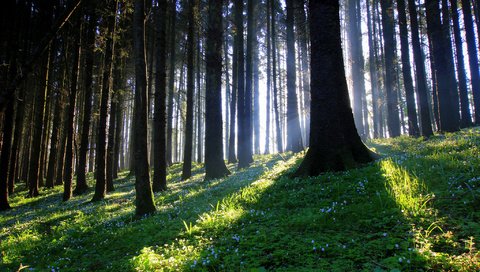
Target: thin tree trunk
{"x": 171, "y": 84}
{"x": 159, "y": 141}
{"x": 274, "y": 76}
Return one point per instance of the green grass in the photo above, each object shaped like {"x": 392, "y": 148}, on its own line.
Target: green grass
{"x": 417, "y": 209}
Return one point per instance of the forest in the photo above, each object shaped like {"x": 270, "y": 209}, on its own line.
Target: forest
{"x": 239, "y": 135}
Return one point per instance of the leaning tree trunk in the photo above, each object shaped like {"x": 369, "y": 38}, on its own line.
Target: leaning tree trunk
{"x": 144, "y": 196}
{"x": 214, "y": 163}
{"x": 334, "y": 142}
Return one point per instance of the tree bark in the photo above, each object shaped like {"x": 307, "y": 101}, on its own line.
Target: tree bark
{"x": 294, "y": 132}
{"x": 391, "y": 94}
{"x": 334, "y": 142}
{"x": 144, "y": 196}
{"x": 159, "y": 120}
{"x": 472, "y": 57}
{"x": 187, "y": 153}
{"x": 466, "y": 116}
{"x": 171, "y": 84}
{"x": 413, "y": 129}
{"x": 448, "y": 120}
{"x": 214, "y": 163}
{"x": 421, "y": 78}
{"x": 81, "y": 186}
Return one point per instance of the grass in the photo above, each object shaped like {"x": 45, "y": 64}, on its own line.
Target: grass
{"x": 414, "y": 210}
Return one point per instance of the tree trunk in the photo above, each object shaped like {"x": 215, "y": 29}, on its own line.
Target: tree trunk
{"x": 448, "y": 120}
{"x": 171, "y": 84}
{"x": 100, "y": 154}
{"x": 413, "y": 129}
{"x": 144, "y": 196}
{"x": 5, "y": 155}
{"x": 269, "y": 80}
{"x": 274, "y": 75}
{"x": 373, "y": 74}
{"x": 334, "y": 142}
{"x": 472, "y": 57}
{"x": 187, "y": 153}
{"x": 214, "y": 163}
{"x": 82, "y": 186}
{"x": 159, "y": 121}
{"x": 391, "y": 94}
{"x": 39, "y": 110}
{"x": 69, "y": 125}
{"x": 294, "y": 132}
{"x": 232, "y": 158}
{"x": 466, "y": 116}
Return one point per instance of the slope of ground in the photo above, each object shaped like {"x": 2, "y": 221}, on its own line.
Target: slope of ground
{"x": 416, "y": 209}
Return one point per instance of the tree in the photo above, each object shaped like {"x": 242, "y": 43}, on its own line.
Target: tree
{"x": 100, "y": 156}
{"x": 413, "y": 129}
{"x": 187, "y": 154}
{"x": 159, "y": 118}
{"x": 421, "y": 78}
{"x": 393, "y": 120}
{"x": 171, "y": 81}
{"x": 355, "y": 44}
{"x": 334, "y": 141}
{"x": 69, "y": 124}
{"x": 214, "y": 164}
{"x": 472, "y": 57}
{"x": 273, "y": 37}
{"x": 294, "y": 133}
{"x": 466, "y": 116}
{"x": 144, "y": 196}
{"x": 89, "y": 47}
{"x": 448, "y": 117}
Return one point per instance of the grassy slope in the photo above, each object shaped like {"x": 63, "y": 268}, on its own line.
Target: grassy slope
{"x": 416, "y": 209}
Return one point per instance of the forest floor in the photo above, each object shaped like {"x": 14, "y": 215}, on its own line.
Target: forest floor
{"x": 416, "y": 209}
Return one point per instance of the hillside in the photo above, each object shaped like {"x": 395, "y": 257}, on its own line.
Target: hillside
{"x": 416, "y": 209}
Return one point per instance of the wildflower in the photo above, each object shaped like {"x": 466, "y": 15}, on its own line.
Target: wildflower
{"x": 384, "y": 234}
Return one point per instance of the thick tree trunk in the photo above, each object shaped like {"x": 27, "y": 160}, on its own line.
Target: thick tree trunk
{"x": 159, "y": 120}
{"x": 214, "y": 163}
{"x": 334, "y": 142}
{"x": 294, "y": 132}
{"x": 5, "y": 155}
{"x": 144, "y": 196}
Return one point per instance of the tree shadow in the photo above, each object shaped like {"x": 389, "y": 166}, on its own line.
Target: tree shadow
{"x": 92, "y": 243}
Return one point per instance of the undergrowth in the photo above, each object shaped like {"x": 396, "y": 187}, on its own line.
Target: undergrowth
{"x": 416, "y": 209}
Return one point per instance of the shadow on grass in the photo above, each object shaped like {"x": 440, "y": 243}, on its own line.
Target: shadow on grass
{"x": 103, "y": 233}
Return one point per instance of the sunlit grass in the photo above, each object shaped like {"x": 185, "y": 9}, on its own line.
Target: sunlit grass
{"x": 414, "y": 210}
